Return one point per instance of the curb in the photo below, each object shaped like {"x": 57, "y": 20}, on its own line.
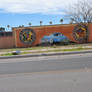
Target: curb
{"x": 44, "y": 54}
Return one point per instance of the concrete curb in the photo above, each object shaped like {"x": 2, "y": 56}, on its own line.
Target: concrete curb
{"x": 44, "y": 54}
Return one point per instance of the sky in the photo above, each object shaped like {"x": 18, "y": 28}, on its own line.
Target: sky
{"x": 21, "y": 12}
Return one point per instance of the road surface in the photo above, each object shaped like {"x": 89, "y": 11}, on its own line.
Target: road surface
{"x": 67, "y": 73}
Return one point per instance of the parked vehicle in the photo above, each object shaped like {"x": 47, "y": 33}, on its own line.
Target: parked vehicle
{"x": 54, "y": 38}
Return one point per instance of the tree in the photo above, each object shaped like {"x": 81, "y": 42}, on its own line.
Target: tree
{"x": 50, "y": 22}
{"x": 22, "y": 25}
{"x": 81, "y": 12}
{"x": 29, "y": 23}
{"x": 41, "y": 23}
{"x": 61, "y": 21}
{"x": 8, "y": 26}
{"x": 2, "y": 29}
{"x": 71, "y": 21}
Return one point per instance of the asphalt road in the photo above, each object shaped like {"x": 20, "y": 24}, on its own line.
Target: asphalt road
{"x": 42, "y": 64}
{"x": 67, "y": 73}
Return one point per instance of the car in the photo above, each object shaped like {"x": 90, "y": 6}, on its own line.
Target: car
{"x": 54, "y": 38}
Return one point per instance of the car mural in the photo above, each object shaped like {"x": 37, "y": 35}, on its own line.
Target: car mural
{"x": 54, "y": 38}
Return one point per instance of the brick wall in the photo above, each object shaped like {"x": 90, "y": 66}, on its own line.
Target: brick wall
{"x": 41, "y": 31}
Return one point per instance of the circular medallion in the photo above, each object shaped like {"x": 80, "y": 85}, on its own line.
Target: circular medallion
{"x": 80, "y": 33}
{"x": 27, "y": 36}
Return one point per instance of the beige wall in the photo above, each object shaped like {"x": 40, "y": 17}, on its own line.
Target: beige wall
{"x": 6, "y": 42}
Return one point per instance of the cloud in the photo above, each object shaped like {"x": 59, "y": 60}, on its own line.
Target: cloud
{"x": 35, "y": 6}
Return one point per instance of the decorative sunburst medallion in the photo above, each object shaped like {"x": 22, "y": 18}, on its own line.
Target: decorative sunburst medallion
{"x": 80, "y": 33}
{"x": 27, "y": 36}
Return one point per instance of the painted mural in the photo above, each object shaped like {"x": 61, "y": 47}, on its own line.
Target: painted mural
{"x": 27, "y": 36}
{"x": 54, "y": 38}
{"x": 80, "y": 33}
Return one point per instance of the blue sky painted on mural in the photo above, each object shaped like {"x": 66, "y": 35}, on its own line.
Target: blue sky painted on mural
{"x": 21, "y": 12}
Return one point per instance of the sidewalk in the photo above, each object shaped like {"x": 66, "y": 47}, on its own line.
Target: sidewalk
{"x": 49, "y": 48}
{"x": 46, "y": 54}
{"x": 49, "y": 51}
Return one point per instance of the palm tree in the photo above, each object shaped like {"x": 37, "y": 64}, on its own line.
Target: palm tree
{"x": 8, "y": 26}
{"x": 22, "y": 25}
{"x": 61, "y": 21}
{"x": 50, "y": 22}
{"x": 29, "y": 23}
{"x": 41, "y": 23}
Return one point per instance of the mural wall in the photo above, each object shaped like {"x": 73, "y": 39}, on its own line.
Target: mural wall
{"x": 32, "y": 36}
